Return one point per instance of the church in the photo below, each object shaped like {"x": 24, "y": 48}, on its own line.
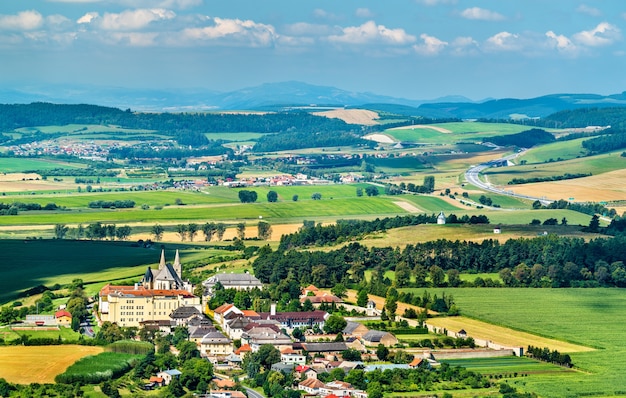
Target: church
{"x": 159, "y": 293}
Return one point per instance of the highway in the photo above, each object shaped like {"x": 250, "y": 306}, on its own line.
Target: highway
{"x": 472, "y": 175}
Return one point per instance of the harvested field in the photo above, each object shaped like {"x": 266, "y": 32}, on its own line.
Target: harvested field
{"x": 603, "y": 187}
{"x": 19, "y": 176}
{"x": 502, "y": 335}
{"x": 32, "y": 364}
{"x": 352, "y": 116}
{"x": 408, "y": 207}
{"x": 278, "y": 230}
{"x": 382, "y": 138}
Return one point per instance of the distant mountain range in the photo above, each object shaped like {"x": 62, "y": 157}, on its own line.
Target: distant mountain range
{"x": 276, "y": 96}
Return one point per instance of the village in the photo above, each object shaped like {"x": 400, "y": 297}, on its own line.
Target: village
{"x": 310, "y": 344}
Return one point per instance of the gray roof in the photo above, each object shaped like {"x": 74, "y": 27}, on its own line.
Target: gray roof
{"x": 374, "y": 336}
{"x": 173, "y": 372}
{"x": 169, "y": 274}
{"x": 233, "y": 279}
{"x": 184, "y": 312}
{"x": 350, "y": 327}
{"x": 325, "y": 347}
{"x": 215, "y": 338}
{"x": 200, "y": 331}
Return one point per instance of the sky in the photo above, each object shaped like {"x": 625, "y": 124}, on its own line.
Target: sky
{"x": 414, "y": 49}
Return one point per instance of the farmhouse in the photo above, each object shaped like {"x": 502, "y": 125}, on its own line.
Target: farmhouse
{"x": 155, "y": 299}
{"x": 168, "y": 375}
{"x": 63, "y": 317}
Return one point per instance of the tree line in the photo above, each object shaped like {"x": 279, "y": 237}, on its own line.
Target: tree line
{"x": 312, "y": 234}
{"x": 554, "y": 262}
{"x": 566, "y": 176}
{"x": 524, "y": 139}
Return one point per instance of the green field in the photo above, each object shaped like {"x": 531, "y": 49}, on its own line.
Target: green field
{"x": 591, "y": 317}
{"x": 151, "y": 198}
{"x": 277, "y": 212}
{"x": 46, "y": 262}
{"x": 507, "y": 366}
{"x": 562, "y": 149}
{"x": 460, "y": 132}
{"x": 595, "y": 165}
{"x": 18, "y": 165}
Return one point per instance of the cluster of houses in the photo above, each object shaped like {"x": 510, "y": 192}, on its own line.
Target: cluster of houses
{"x": 162, "y": 301}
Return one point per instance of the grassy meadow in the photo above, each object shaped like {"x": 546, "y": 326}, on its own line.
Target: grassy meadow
{"x": 456, "y": 132}
{"x": 589, "y": 317}
{"x": 47, "y": 262}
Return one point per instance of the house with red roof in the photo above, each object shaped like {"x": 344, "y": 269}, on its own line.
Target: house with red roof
{"x": 63, "y": 317}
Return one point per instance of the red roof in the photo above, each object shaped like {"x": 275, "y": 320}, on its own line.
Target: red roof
{"x": 156, "y": 379}
{"x": 331, "y": 396}
{"x": 243, "y": 348}
{"x": 223, "y": 308}
{"x": 61, "y": 313}
{"x": 140, "y": 291}
{"x": 302, "y": 368}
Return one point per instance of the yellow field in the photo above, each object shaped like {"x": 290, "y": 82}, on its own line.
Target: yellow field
{"x": 251, "y": 232}
{"x": 358, "y": 116}
{"x": 602, "y": 187}
{"x": 502, "y": 335}
{"x": 32, "y": 364}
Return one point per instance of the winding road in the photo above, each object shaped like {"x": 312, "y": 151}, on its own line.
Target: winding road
{"x": 472, "y": 175}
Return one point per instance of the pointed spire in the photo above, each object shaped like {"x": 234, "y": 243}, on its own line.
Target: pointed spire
{"x": 162, "y": 263}
{"x": 177, "y": 266}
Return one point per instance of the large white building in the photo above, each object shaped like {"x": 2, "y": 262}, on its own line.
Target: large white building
{"x": 159, "y": 294}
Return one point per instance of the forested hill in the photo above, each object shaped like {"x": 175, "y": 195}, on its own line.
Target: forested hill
{"x": 580, "y": 118}
{"x": 42, "y": 114}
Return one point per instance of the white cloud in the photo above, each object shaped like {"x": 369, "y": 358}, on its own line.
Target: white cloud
{"x": 504, "y": 41}
{"x": 238, "y": 31}
{"x": 560, "y": 42}
{"x": 134, "y": 19}
{"x": 369, "y": 32}
{"x": 464, "y": 45}
{"x": 88, "y": 18}
{"x": 364, "y": 13}
{"x": 592, "y": 11}
{"x": 481, "y": 14}
{"x": 602, "y": 35}
{"x": 431, "y": 45}
{"x": 25, "y": 20}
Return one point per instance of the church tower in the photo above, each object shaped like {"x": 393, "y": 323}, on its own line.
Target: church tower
{"x": 177, "y": 267}
{"x": 162, "y": 262}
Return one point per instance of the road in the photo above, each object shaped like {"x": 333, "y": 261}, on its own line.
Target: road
{"x": 253, "y": 394}
{"x": 472, "y": 175}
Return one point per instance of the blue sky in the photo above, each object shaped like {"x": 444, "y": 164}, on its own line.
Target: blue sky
{"x": 416, "y": 49}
